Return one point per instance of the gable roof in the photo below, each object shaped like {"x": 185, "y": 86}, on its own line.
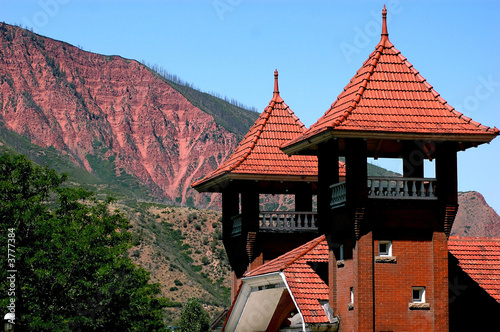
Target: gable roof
{"x": 258, "y": 156}
{"x": 306, "y": 286}
{"x": 480, "y": 259}
{"x": 388, "y": 98}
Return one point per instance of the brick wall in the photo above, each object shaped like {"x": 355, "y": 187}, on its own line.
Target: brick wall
{"x": 383, "y": 287}
{"x": 393, "y": 286}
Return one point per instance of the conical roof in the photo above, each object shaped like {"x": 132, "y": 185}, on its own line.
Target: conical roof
{"x": 389, "y": 99}
{"x": 259, "y": 157}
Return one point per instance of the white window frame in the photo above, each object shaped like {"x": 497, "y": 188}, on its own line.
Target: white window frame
{"x": 421, "y": 293}
{"x": 386, "y": 253}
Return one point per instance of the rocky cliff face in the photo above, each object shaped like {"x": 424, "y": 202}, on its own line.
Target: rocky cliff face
{"x": 111, "y": 115}
{"x": 475, "y": 217}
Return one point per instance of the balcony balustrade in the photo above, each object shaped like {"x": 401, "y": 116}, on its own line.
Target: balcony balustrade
{"x": 276, "y": 221}
{"x": 389, "y": 188}
{"x": 280, "y": 222}
{"x": 338, "y": 195}
{"x": 402, "y": 188}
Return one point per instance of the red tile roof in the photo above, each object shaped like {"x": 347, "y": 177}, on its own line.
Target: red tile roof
{"x": 388, "y": 96}
{"x": 258, "y": 154}
{"x": 480, "y": 259}
{"x": 306, "y": 286}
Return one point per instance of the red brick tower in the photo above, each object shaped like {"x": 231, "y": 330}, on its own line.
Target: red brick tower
{"x": 258, "y": 166}
{"x": 388, "y": 266}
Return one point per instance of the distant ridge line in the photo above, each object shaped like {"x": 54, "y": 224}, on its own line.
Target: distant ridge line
{"x": 177, "y": 80}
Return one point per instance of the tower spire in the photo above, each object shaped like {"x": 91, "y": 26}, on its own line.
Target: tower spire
{"x": 385, "y": 34}
{"x": 276, "y": 90}
{"x": 276, "y": 93}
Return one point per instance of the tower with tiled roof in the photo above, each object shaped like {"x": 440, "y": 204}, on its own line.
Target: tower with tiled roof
{"x": 258, "y": 166}
{"x": 387, "y": 236}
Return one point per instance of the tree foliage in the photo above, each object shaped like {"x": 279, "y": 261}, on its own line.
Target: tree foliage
{"x": 71, "y": 272}
{"x": 193, "y": 317}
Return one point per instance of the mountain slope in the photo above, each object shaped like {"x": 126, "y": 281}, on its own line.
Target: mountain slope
{"x": 110, "y": 115}
{"x": 475, "y": 217}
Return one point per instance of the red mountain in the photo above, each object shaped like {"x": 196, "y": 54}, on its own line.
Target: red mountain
{"x": 475, "y": 217}
{"x": 109, "y": 114}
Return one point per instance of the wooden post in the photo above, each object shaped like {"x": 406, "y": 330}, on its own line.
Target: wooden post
{"x": 328, "y": 174}
{"x": 303, "y": 197}
{"x": 446, "y": 173}
{"x": 250, "y": 207}
{"x": 250, "y": 221}
{"x": 413, "y": 160}
{"x": 356, "y": 171}
{"x": 230, "y": 208}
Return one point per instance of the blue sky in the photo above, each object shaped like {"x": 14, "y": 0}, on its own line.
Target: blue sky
{"x": 232, "y": 47}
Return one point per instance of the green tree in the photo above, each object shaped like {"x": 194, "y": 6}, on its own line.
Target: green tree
{"x": 193, "y": 317}
{"x": 71, "y": 272}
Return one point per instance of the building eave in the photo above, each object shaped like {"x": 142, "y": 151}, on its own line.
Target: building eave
{"x": 311, "y": 143}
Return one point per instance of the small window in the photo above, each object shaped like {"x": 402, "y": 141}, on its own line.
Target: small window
{"x": 385, "y": 248}
{"x": 350, "y": 305}
{"x": 418, "y": 294}
{"x": 341, "y": 252}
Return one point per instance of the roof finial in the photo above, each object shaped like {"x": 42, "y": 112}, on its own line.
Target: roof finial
{"x": 276, "y": 93}
{"x": 385, "y": 34}
{"x": 276, "y": 90}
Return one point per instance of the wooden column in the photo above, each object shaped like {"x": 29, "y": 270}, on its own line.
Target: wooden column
{"x": 413, "y": 160}
{"x": 356, "y": 171}
{"x": 446, "y": 172}
{"x": 303, "y": 197}
{"x": 328, "y": 174}
{"x": 250, "y": 207}
{"x": 230, "y": 208}
{"x": 250, "y": 222}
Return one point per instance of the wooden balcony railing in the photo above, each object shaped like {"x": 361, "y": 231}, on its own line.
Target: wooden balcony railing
{"x": 389, "y": 188}
{"x": 280, "y": 221}
{"x": 276, "y": 221}
{"x": 338, "y": 195}
{"x": 402, "y": 188}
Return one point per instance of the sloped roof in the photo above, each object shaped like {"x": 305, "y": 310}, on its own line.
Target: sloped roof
{"x": 258, "y": 156}
{"x": 480, "y": 259}
{"x": 306, "y": 286}
{"x": 388, "y": 98}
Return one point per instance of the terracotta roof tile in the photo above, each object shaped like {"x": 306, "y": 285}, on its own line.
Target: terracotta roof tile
{"x": 259, "y": 152}
{"x": 480, "y": 259}
{"x": 388, "y": 94}
{"x": 306, "y": 286}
